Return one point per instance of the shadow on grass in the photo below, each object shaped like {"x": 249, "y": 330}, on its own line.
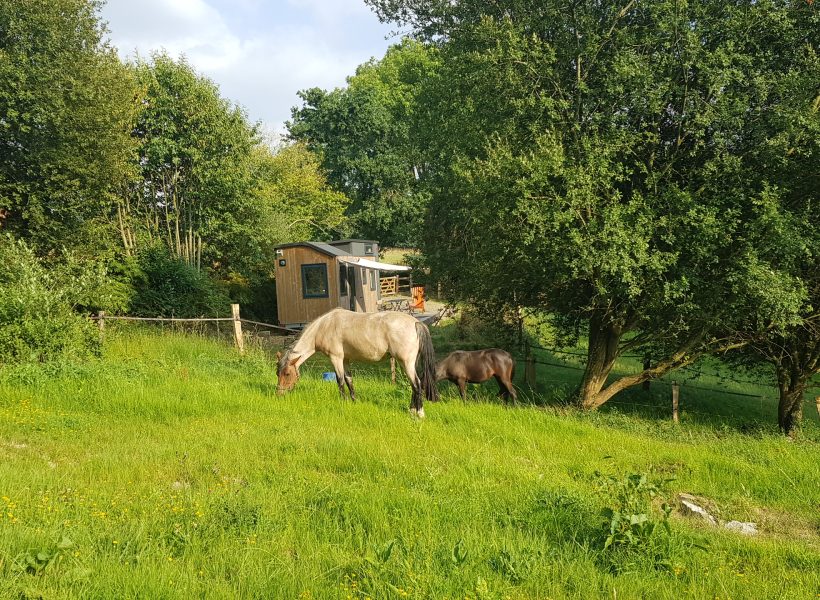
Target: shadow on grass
{"x": 267, "y": 389}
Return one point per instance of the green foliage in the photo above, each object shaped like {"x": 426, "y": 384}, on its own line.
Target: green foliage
{"x": 629, "y": 521}
{"x": 363, "y": 134}
{"x": 35, "y": 562}
{"x": 167, "y": 286}
{"x": 256, "y": 293}
{"x": 459, "y": 554}
{"x": 612, "y": 163}
{"x": 789, "y": 221}
{"x": 636, "y": 534}
{"x": 39, "y": 304}
{"x": 288, "y": 200}
{"x": 294, "y": 198}
{"x": 194, "y": 151}
{"x": 514, "y": 566}
{"x": 67, "y": 108}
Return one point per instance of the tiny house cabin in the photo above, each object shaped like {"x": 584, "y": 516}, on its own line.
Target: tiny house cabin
{"x": 315, "y": 277}
{"x": 363, "y": 248}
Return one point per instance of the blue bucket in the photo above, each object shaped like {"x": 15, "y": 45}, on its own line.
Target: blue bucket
{"x": 329, "y": 376}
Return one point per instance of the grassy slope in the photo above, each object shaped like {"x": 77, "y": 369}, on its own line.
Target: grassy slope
{"x": 175, "y": 471}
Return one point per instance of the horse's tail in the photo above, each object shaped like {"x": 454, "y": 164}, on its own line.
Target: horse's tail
{"x": 427, "y": 377}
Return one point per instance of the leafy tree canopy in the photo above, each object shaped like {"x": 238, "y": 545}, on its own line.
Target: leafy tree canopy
{"x": 67, "y": 107}
{"x": 194, "y": 149}
{"x": 363, "y": 134}
{"x": 605, "y": 161}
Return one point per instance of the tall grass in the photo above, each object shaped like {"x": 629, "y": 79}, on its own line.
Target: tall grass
{"x": 170, "y": 469}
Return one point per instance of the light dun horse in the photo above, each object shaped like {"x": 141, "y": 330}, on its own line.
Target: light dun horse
{"x": 477, "y": 366}
{"x": 344, "y": 335}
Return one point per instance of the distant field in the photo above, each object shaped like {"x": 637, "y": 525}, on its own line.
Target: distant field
{"x": 397, "y": 256}
{"x": 170, "y": 469}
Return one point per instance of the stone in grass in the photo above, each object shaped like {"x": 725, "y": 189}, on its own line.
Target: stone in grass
{"x": 689, "y": 507}
{"x": 741, "y": 527}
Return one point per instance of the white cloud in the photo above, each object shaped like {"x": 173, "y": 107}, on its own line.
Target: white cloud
{"x": 260, "y": 60}
{"x": 174, "y": 25}
{"x": 332, "y": 9}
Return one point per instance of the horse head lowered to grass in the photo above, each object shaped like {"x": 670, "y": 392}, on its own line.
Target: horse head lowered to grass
{"x": 477, "y": 366}
{"x": 343, "y": 336}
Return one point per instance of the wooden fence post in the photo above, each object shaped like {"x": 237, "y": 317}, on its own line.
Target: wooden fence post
{"x": 646, "y": 365}
{"x": 675, "y": 400}
{"x": 237, "y": 329}
{"x": 529, "y": 369}
{"x": 101, "y": 324}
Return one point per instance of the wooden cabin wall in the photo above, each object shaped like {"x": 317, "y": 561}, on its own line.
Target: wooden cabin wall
{"x": 371, "y": 296}
{"x": 292, "y": 307}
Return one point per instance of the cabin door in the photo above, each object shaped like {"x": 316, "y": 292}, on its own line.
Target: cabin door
{"x": 351, "y": 287}
{"x": 361, "y": 282}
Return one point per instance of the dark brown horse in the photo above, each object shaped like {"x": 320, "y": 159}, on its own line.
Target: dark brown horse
{"x": 477, "y": 366}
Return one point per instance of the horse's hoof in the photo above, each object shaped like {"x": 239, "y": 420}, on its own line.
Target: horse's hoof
{"x": 417, "y": 413}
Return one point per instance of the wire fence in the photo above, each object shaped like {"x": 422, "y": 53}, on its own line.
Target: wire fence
{"x": 583, "y": 354}
{"x": 689, "y": 369}
{"x": 684, "y": 382}
{"x": 104, "y": 317}
{"x": 235, "y": 319}
{"x": 237, "y": 322}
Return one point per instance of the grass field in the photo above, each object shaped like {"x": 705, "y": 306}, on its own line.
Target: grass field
{"x": 170, "y": 469}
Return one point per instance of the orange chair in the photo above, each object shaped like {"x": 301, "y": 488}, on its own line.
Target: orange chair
{"x": 417, "y": 294}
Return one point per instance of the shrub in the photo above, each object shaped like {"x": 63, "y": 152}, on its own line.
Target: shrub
{"x": 256, "y": 293}
{"x": 630, "y": 522}
{"x": 166, "y": 286}
{"x": 636, "y": 534}
{"x": 39, "y": 302}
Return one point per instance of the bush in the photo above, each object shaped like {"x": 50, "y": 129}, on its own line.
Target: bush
{"x": 166, "y": 286}
{"x": 255, "y": 293}
{"x": 636, "y": 534}
{"x": 38, "y": 305}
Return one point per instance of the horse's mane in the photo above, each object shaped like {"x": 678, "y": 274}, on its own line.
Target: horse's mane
{"x": 283, "y": 361}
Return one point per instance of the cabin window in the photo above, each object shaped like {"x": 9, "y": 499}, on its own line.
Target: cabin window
{"x": 373, "y": 278}
{"x": 314, "y": 281}
{"x": 368, "y": 248}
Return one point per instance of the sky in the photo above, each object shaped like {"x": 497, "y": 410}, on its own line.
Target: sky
{"x": 259, "y": 52}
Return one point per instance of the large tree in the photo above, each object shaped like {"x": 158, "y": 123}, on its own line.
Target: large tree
{"x": 194, "y": 151}
{"x": 211, "y": 191}
{"x": 597, "y": 160}
{"x": 295, "y": 199}
{"x": 288, "y": 200}
{"x": 792, "y": 233}
{"x": 363, "y": 134}
{"x": 67, "y": 107}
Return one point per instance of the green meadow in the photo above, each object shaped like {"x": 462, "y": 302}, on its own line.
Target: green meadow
{"x": 169, "y": 468}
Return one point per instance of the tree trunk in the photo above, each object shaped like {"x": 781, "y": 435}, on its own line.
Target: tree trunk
{"x": 198, "y": 252}
{"x": 790, "y": 410}
{"x": 790, "y": 407}
{"x": 124, "y": 234}
{"x": 604, "y": 337}
{"x": 683, "y": 356}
